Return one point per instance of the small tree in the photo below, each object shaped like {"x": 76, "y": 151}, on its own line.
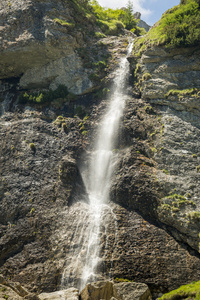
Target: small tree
{"x": 128, "y": 18}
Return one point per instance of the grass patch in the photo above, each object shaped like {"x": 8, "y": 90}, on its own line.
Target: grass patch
{"x": 99, "y": 35}
{"x": 111, "y": 27}
{"x": 178, "y": 27}
{"x": 194, "y": 92}
{"x": 191, "y": 291}
{"x": 122, "y": 280}
{"x": 64, "y": 23}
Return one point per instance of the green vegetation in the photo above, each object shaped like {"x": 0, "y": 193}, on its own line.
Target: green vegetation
{"x": 99, "y": 35}
{"x": 188, "y": 291}
{"x": 194, "y": 92}
{"x": 194, "y": 216}
{"x": 64, "y": 23}
{"x": 128, "y": 19}
{"x": 176, "y": 197}
{"x": 32, "y": 147}
{"x": 179, "y": 201}
{"x": 100, "y": 70}
{"x": 179, "y": 26}
{"x": 111, "y": 21}
{"x": 82, "y": 125}
{"x": 198, "y": 169}
{"x": 165, "y": 171}
{"x": 44, "y": 96}
{"x": 154, "y": 150}
{"x": 32, "y": 210}
{"x": 60, "y": 122}
{"x": 146, "y": 76}
{"x": 122, "y": 280}
{"x": 84, "y": 132}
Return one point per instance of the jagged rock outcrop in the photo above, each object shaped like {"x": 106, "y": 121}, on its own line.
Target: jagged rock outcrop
{"x": 37, "y": 47}
{"x": 141, "y": 23}
{"x": 171, "y": 69}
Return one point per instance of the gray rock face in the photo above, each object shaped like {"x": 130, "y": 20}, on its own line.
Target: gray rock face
{"x": 176, "y": 144}
{"x": 141, "y": 23}
{"x": 33, "y": 44}
{"x": 170, "y": 69}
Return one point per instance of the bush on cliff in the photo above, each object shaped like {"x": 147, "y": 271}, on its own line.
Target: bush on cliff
{"x": 178, "y": 27}
{"x": 44, "y": 96}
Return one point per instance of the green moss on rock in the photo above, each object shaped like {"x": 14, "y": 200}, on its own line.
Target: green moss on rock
{"x": 188, "y": 291}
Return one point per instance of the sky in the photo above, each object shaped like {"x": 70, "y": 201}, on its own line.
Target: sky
{"x": 151, "y": 10}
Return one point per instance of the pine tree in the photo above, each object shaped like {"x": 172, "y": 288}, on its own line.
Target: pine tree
{"x": 129, "y": 20}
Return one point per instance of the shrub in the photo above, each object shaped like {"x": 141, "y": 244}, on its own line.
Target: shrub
{"x": 146, "y": 76}
{"x": 186, "y": 92}
{"x": 84, "y": 132}
{"x": 32, "y": 147}
{"x": 44, "y": 96}
{"x": 165, "y": 171}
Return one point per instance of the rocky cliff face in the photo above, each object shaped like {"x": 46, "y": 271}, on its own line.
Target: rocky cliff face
{"x": 39, "y": 42}
{"x": 150, "y": 234}
{"x": 168, "y": 79}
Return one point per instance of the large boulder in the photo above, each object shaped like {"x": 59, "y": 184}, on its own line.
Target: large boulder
{"x": 69, "y": 294}
{"x": 108, "y": 290}
{"x": 131, "y": 291}
{"x": 98, "y": 290}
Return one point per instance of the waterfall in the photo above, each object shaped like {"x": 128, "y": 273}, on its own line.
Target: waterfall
{"x": 97, "y": 179}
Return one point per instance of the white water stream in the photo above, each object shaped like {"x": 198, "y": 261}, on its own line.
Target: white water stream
{"x": 97, "y": 181}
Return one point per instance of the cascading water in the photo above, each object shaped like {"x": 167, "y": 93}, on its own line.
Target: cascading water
{"x": 97, "y": 181}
